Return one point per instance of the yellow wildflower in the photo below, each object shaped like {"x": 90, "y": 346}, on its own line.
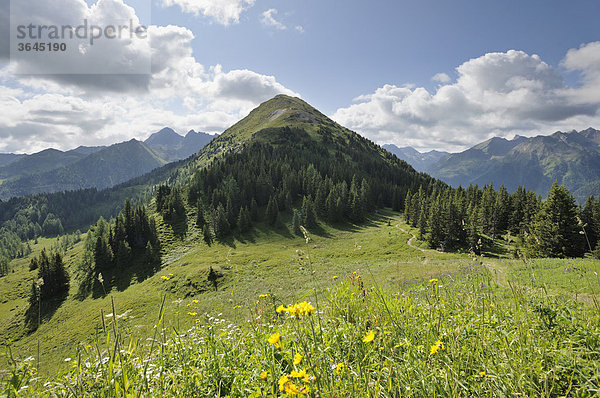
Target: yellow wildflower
{"x": 334, "y": 277}
{"x": 192, "y": 313}
{"x": 297, "y": 359}
{"x": 434, "y": 280}
{"x": 482, "y": 374}
{"x": 264, "y": 295}
{"x": 195, "y": 301}
{"x": 166, "y": 278}
{"x": 237, "y": 306}
{"x": 369, "y": 337}
{"x": 283, "y": 380}
{"x": 300, "y": 375}
{"x": 297, "y": 310}
{"x": 264, "y": 374}
{"x": 291, "y": 389}
{"x": 287, "y": 383}
{"x": 274, "y": 339}
{"x": 339, "y": 368}
{"x": 436, "y": 347}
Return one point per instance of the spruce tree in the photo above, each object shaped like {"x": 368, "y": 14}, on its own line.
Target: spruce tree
{"x": 296, "y": 223}
{"x": 200, "y": 218}
{"x": 309, "y": 219}
{"x": 243, "y": 220}
{"x": 219, "y": 222}
{"x": 272, "y": 211}
{"x": 253, "y": 210}
{"x": 555, "y": 232}
{"x": 207, "y": 235}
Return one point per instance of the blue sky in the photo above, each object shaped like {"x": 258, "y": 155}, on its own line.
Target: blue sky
{"x": 370, "y": 65}
{"x": 349, "y": 48}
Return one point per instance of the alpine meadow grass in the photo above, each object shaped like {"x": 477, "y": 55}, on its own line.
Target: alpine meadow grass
{"x": 458, "y": 334}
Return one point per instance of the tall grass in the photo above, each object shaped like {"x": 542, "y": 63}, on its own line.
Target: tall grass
{"x": 455, "y": 335}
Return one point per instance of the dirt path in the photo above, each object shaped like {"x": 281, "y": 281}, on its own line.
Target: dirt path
{"x": 413, "y": 237}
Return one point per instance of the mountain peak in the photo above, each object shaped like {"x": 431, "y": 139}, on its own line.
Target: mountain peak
{"x": 280, "y": 111}
{"x": 166, "y": 136}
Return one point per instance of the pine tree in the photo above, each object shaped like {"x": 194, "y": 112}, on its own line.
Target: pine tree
{"x": 309, "y": 219}
{"x": 436, "y": 231}
{"x": 422, "y": 224}
{"x": 408, "y": 208}
{"x": 103, "y": 259}
{"x": 231, "y": 214}
{"x": 243, "y": 220}
{"x": 219, "y": 222}
{"x": 555, "y": 230}
{"x": 207, "y": 235}
{"x": 272, "y": 211}
{"x": 253, "y": 210}
{"x": 200, "y": 219}
{"x": 296, "y": 223}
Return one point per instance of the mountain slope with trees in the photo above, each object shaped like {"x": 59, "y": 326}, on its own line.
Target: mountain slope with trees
{"x": 101, "y": 169}
{"x": 571, "y": 159}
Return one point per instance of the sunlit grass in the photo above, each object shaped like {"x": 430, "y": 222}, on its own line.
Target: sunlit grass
{"x": 458, "y": 335}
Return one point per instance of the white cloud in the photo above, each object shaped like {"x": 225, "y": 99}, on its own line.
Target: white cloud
{"x": 268, "y": 19}
{"x": 64, "y": 111}
{"x": 496, "y": 94}
{"x": 225, "y": 12}
{"x": 299, "y": 28}
{"x": 586, "y": 60}
{"x": 441, "y": 78}
{"x": 129, "y": 50}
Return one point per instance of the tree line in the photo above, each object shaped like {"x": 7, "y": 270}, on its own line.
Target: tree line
{"x": 49, "y": 289}
{"x": 128, "y": 243}
{"x": 454, "y": 219}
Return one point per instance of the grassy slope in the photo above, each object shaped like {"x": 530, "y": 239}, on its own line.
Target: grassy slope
{"x": 264, "y": 261}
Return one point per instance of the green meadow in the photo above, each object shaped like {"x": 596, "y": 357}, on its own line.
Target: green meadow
{"x": 390, "y": 317}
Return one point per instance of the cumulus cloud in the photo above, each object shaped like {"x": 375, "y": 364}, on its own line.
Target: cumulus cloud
{"x": 38, "y": 111}
{"x": 89, "y": 34}
{"x": 441, "y": 78}
{"x": 496, "y": 94}
{"x": 268, "y": 19}
{"x": 586, "y": 60}
{"x": 225, "y": 12}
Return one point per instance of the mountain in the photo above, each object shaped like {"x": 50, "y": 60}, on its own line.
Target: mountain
{"x": 99, "y": 167}
{"x": 45, "y": 160}
{"x": 287, "y": 155}
{"x": 87, "y": 150}
{"x": 420, "y": 161}
{"x": 572, "y": 159}
{"x": 172, "y": 146}
{"x": 6, "y": 158}
{"x": 102, "y": 168}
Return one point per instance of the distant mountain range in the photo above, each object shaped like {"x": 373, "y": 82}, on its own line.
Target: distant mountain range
{"x": 572, "y": 159}
{"x": 170, "y": 146}
{"x": 420, "y": 161}
{"x": 100, "y": 167}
